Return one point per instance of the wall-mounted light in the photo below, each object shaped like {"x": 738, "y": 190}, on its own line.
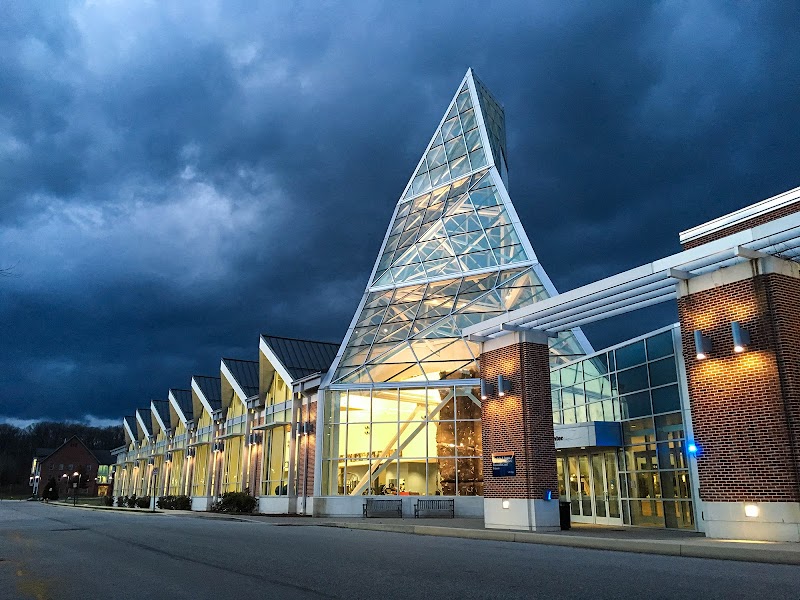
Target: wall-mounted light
{"x": 503, "y": 386}
{"x": 168, "y": 457}
{"x": 702, "y": 345}
{"x": 751, "y": 510}
{"x": 692, "y": 448}
{"x": 486, "y": 389}
{"x": 741, "y": 337}
{"x": 506, "y": 504}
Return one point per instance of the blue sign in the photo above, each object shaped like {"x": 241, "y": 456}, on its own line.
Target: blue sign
{"x": 503, "y": 464}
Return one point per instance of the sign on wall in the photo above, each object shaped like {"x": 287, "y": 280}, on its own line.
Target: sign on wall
{"x": 503, "y": 464}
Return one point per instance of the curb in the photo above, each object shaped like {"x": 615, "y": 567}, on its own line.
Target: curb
{"x": 113, "y": 508}
{"x": 719, "y": 550}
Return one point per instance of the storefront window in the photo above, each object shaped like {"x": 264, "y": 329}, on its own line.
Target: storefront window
{"x": 403, "y": 441}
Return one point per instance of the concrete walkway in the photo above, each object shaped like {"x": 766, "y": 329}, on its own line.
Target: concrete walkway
{"x": 621, "y": 539}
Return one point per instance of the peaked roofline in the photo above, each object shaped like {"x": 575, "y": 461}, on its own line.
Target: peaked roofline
{"x": 67, "y": 441}
{"x": 157, "y": 415}
{"x": 201, "y": 395}
{"x": 176, "y": 405}
{"x": 231, "y": 379}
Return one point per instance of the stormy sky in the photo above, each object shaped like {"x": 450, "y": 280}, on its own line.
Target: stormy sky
{"x": 176, "y": 178}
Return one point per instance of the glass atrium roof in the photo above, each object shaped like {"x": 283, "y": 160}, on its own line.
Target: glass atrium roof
{"x": 455, "y": 254}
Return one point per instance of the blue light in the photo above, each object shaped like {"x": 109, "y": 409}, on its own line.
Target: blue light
{"x": 548, "y": 494}
{"x": 691, "y": 448}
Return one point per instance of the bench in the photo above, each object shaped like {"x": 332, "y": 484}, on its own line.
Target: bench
{"x": 374, "y": 507}
{"x": 435, "y": 506}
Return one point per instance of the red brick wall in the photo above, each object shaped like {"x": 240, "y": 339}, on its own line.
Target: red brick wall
{"x": 754, "y": 222}
{"x": 746, "y": 407}
{"x": 521, "y": 422}
{"x": 305, "y": 466}
{"x": 73, "y": 453}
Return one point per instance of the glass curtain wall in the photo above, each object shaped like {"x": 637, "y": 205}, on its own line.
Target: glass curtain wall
{"x": 636, "y": 384}
{"x": 416, "y": 441}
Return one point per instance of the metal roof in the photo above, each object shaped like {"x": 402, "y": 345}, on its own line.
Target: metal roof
{"x": 184, "y": 400}
{"x": 211, "y": 388}
{"x": 245, "y": 372}
{"x": 302, "y": 357}
{"x": 162, "y": 406}
{"x": 130, "y": 421}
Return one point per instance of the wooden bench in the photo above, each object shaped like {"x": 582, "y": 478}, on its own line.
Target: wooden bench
{"x": 375, "y": 507}
{"x": 435, "y": 506}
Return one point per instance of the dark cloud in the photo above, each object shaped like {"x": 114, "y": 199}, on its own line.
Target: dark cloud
{"x": 175, "y": 181}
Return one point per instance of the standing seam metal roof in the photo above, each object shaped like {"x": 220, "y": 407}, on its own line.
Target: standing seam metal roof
{"x": 211, "y": 388}
{"x": 184, "y": 399}
{"x": 245, "y": 372}
{"x": 162, "y": 407}
{"x": 302, "y": 357}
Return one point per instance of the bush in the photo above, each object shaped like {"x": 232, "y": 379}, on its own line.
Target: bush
{"x": 108, "y": 500}
{"x": 51, "y": 491}
{"x": 122, "y": 501}
{"x": 131, "y": 501}
{"x": 235, "y": 502}
{"x": 174, "y": 503}
{"x": 143, "y": 502}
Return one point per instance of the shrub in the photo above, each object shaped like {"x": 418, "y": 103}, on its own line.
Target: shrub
{"x": 108, "y": 500}
{"x": 143, "y": 502}
{"x": 51, "y": 491}
{"x": 122, "y": 501}
{"x": 234, "y": 502}
{"x": 131, "y": 501}
{"x": 183, "y": 503}
{"x": 166, "y": 502}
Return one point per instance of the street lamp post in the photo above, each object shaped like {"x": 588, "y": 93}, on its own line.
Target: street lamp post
{"x": 75, "y": 485}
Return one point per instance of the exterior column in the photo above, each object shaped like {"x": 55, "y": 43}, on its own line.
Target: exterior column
{"x": 746, "y": 406}
{"x": 517, "y": 429}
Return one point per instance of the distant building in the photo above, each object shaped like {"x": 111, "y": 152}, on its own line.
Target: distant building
{"x": 74, "y": 466}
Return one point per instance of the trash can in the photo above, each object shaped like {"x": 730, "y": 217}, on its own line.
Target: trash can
{"x": 564, "y": 515}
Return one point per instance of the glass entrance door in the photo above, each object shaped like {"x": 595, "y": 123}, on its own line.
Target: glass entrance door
{"x": 590, "y": 482}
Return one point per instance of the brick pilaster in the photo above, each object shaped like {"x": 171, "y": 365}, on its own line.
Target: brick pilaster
{"x": 746, "y": 407}
{"x": 521, "y": 421}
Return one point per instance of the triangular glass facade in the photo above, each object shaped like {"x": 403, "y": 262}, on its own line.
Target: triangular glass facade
{"x": 455, "y": 254}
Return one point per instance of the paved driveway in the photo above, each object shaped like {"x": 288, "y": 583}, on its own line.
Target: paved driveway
{"x": 60, "y": 552}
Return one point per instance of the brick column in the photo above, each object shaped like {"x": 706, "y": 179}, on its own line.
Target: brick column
{"x": 746, "y": 407}
{"x": 521, "y": 422}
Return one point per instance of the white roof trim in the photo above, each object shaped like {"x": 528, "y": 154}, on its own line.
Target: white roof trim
{"x": 274, "y": 361}
{"x": 146, "y": 428}
{"x": 202, "y": 397}
{"x": 158, "y": 417}
{"x": 174, "y": 402}
{"x": 744, "y": 214}
{"x": 127, "y": 429}
{"x": 225, "y": 372}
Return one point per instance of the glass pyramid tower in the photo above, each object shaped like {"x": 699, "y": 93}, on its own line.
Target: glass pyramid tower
{"x": 455, "y": 254}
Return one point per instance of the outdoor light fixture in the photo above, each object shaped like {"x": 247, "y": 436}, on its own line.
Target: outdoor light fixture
{"x": 692, "y": 448}
{"x": 506, "y": 504}
{"x": 503, "y": 386}
{"x": 741, "y": 337}
{"x": 751, "y": 510}
{"x": 702, "y": 345}
{"x": 486, "y": 389}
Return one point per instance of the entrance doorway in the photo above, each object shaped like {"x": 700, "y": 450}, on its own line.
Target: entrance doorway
{"x": 590, "y": 482}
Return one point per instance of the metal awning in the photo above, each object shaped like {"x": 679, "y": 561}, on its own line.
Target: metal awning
{"x": 648, "y": 284}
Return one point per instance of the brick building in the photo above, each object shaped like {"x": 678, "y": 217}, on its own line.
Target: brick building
{"x": 73, "y": 466}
